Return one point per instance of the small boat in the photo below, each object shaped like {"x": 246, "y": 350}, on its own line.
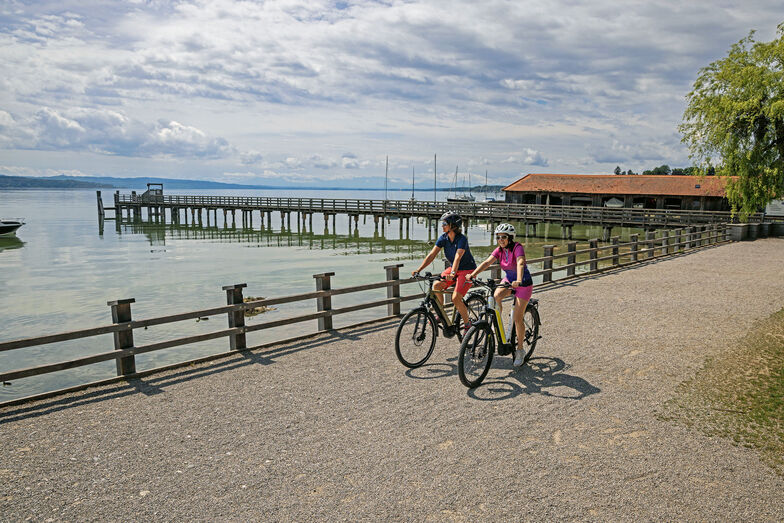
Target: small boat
{"x": 8, "y": 226}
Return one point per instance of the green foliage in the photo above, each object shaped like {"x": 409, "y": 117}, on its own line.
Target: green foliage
{"x": 734, "y": 122}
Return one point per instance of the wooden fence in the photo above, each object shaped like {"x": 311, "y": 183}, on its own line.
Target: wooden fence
{"x": 596, "y": 259}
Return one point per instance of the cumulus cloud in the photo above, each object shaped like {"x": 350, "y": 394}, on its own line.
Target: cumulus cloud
{"x": 111, "y": 132}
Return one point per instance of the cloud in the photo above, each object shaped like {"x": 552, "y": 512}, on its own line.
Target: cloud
{"x": 304, "y": 81}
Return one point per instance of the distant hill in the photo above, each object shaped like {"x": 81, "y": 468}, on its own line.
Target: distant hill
{"x": 30, "y": 182}
{"x": 63, "y": 181}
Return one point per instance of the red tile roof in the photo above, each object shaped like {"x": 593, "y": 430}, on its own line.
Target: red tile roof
{"x": 621, "y": 184}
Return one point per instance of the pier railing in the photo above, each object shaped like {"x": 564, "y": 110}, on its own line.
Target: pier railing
{"x": 577, "y": 262}
{"x": 491, "y": 211}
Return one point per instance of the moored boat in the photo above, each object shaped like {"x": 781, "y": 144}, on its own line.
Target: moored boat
{"x": 8, "y": 226}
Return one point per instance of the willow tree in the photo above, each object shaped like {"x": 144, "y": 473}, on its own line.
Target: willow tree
{"x": 734, "y": 122}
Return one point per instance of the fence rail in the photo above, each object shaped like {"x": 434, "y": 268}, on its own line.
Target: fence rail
{"x": 124, "y": 351}
{"x": 491, "y": 211}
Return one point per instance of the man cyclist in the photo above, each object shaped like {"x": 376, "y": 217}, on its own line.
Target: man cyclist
{"x": 458, "y": 254}
{"x": 511, "y": 256}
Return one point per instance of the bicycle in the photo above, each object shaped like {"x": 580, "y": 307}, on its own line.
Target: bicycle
{"x": 416, "y": 334}
{"x": 479, "y": 343}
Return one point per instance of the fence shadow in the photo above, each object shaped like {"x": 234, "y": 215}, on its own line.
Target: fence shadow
{"x": 157, "y": 383}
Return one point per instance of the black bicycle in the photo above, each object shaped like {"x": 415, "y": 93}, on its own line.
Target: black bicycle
{"x": 416, "y": 334}
{"x": 487, "y": 335}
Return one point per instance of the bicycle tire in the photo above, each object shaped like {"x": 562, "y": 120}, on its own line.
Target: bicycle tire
{"x": 422, "y": 325}
{"x": 476, "y": 355}
{"x": 531, "y": 322}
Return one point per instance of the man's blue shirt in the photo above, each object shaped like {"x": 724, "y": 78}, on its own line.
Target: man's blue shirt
{"x": 450, "y": 251}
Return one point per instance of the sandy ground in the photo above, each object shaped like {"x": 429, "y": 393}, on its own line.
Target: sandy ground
{"x": 335, "y": 428}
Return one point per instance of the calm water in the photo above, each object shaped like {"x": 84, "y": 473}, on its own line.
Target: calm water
{"x": 62, "y": 268}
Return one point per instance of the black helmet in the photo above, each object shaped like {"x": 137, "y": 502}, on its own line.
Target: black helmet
{"x": 451, "y": 218}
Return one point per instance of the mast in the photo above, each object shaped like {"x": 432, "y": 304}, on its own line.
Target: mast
{"x": 386, "y": 173}
{"x": 412, "y": 182}
{"x": 434, "y": 178}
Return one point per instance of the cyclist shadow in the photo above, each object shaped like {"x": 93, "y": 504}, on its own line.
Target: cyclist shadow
{"x": 540, "y": 375}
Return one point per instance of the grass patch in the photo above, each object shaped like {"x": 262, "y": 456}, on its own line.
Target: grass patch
{"x": 739, "y": 394}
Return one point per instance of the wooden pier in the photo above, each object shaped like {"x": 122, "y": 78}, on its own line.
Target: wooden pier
{"x": 206, "y": 210}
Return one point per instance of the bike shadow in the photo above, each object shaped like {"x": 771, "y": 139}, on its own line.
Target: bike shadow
{"x": 541, "y": 375}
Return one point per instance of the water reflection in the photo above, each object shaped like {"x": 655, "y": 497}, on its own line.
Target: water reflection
{"x": 10, "y": 242}
{"x": 353, "y": 243}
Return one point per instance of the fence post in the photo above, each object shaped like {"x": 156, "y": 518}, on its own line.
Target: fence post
{"x": 121, "y": 313}
{"x": 593, "y": 244}
{"x": 616, "y": 259}
{"x": 495, "y": 271}
{"x": 324, "y": 303}
{"x": 393, "y": 291}
{"x": 635, "y": 238}
{"x": 678, "y": 246}
{"x": 236, "y": 318}
{"x": 650, "y": 236}
{"x": 571, "y": 247}
{"x": 692, "y": 237}
{"x": 548, "y": 263}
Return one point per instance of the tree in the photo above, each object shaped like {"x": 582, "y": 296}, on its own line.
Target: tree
{"x": 734, "y": 122}
{"x": 617, "y": 169}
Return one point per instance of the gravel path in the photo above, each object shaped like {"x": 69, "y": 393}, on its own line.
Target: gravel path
{"x": 335, "y": 428}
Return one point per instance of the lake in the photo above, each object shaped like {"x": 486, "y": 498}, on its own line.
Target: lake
{"x": 63, "y": 266}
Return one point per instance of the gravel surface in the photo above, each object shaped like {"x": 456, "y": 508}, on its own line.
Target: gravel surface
{"x": 335, "y": 428}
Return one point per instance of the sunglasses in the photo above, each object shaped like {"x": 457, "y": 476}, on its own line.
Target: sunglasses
{"x": 444, "y": 224}
{"x": 502, "y": 237}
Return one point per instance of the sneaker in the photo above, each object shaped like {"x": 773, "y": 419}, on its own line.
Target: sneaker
{"x": 518, "y": 360}
{"x": 466, "y": 327}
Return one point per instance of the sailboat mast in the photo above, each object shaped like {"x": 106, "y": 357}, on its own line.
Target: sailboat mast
{"x": 386, "y": 173}
{"x": 412, "y": 182}
{"x": 434, "y": 178}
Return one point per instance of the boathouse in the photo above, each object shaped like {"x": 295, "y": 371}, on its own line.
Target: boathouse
{"x": 630, "y": 191}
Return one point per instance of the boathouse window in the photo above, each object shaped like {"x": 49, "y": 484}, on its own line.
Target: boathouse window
{"x": 672, "y": 203}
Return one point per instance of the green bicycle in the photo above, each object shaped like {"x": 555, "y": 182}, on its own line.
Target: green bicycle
{"x": 487, "y": 335}
{"x": 416, "y": 334}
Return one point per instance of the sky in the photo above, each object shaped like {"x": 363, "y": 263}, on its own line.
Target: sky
{"x": 315, "y": 92}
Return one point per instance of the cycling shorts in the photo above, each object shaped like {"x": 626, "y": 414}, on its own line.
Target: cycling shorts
{"x": 462, "y": 283}
{"x": 524, "y": 293}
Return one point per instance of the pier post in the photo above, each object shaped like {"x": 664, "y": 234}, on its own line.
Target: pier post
{"x": 548, "y": 263}
{"x": 593, "y": 244}
{"x": 616, "y": 260}
{"x": 324, "y": 303}
{"x": 571, "y": 248}
{"x": 393, "y": 291}
{"x": 650, "y": 237}
{"x": 121, "y": 313}
{"x": 635, "y": 246}
{"x": 236, "y": 318}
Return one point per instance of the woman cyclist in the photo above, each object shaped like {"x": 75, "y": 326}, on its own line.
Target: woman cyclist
{"x": 457, "y": 253}
{"x": 511, "y": 257}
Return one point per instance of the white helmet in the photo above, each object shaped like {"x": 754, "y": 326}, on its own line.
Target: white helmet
{"x": 505, "y": 228}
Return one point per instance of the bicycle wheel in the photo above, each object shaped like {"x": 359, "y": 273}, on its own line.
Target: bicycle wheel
{"x": 476, "y": 355}
{"x": 531, "y": 321}
{"x": 415, "y": 338}
{"x": 475, "y": 303}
